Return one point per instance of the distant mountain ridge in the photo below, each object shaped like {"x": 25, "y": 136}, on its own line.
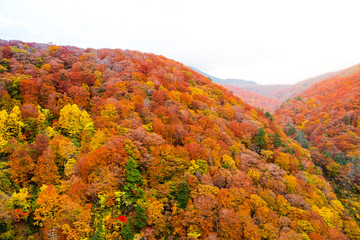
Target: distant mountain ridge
{"x": 278, "y": 93}
{"x": 230, "y": 81}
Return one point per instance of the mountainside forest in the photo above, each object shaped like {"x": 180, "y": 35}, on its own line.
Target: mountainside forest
{"x": 120, "y": 144}
{"x": 326, "y": 120}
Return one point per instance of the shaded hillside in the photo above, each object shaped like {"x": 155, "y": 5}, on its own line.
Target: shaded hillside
{"x": 119, "y": 144}
{"x": 326, "y": 119}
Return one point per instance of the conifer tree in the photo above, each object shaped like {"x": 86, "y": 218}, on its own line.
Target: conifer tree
{"x": 134, "y": 181}
{"x": 134, "y": 192}
{"x": 140, "y": 219}
{"x": 260, "y": 139}
{"x": 277, "y": 140}
{"x": 182, "y": 195}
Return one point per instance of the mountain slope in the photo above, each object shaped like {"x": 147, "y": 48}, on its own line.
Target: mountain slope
{"x": 119, "y": 144}
{"x": 327, "y": 118}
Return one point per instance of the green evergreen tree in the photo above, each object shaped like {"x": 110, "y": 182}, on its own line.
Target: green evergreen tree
{"x": 182, "y": 195}
{"x": 269, "y": 116}
{"x": 300, "y": 138}
{"x": 340, "y": 158}
{"x": 277, "y": 140}
{"x": 260, "y": 139}
{"x": 14, "y": 89}
{"x": 133, "y": 193}
{"x": 140, "y": 219}
{"x": 135, "y": 224}
{"x": 290, "y": 129}
{"x": 127, "y": 232}
{"x": 134, "y": 181}
{"x": 346, "y": 120}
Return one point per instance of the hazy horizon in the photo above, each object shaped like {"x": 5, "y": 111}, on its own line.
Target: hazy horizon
{"x": 268, "y": 42}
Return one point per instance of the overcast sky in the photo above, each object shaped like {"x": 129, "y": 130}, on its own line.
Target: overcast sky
{"x": 264, "y": 41}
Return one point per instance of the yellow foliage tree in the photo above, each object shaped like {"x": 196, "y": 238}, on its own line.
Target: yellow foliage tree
{"x": 254, "y": 174}
{"x": 257, "y": 202}
{"x": 20, "y": 200}
{"x": 331, "y": 218}
{"x": 21, "y": 203}
{"x": 268, "y": 154}
{"x": 227, "y": 161}
{"x": 155, "y": 215}
{"x": 10, "y": 126}
{"x": 283, "y": 161}
{"x": 73, "y": 121}
{"x": 109, "y": 112}
{"x": 283, "y": 205}
{"x": 291, "y": 183}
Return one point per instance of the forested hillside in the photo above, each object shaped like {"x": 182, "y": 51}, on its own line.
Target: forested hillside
{"x": 119, "y": 144}
{"x": 326, "y": 120}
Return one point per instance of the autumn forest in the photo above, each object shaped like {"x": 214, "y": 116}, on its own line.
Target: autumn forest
{"x": 120, "y": 144}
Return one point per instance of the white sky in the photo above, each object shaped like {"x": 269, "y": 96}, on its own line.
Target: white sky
{"x": 269, "y": 41}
